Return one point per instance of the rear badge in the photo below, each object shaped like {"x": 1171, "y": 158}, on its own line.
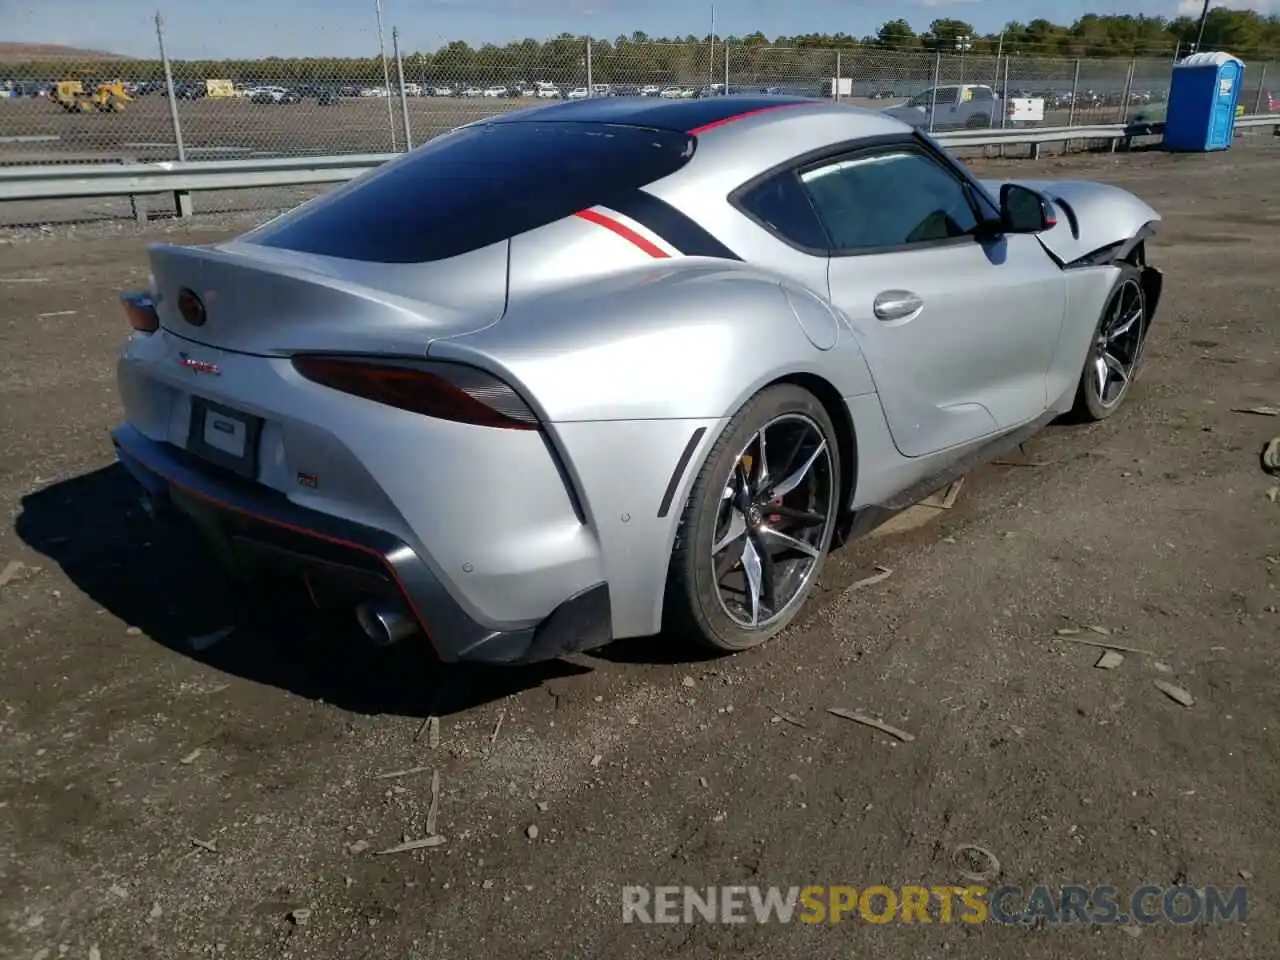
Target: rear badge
{"x": 308, "y": 480}
{"x": 198, "y": 366}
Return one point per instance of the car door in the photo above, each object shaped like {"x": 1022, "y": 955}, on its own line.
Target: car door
{"x": 958, "y": 333}
{"x": 979, "y": 107}
{"x": 943, "y": 106}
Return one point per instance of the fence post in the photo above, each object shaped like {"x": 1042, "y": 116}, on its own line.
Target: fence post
{"x": 1075, "y": 95}
{"x": 835, "y": 91}
{"x": 726, "y": 69}
{"x": 591, "y": 91}
{"x": 711, "y": 62}
{"x": 181, "y": 198}
{"x": 404, "y": 101}
{"x": 1004, "y": 103}
{"x": 933, "y": 94}
{"x": 1262, "y": 84}
{"x": 386, "y": 78}
{"x": 1128, "y": 91}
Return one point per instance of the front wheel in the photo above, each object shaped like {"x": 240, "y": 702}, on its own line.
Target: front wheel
{"x": 758, "y": 523}
{"x": 1115, "y": 355}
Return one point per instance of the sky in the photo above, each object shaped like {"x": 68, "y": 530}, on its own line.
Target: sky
{"x": 258, "y": 28}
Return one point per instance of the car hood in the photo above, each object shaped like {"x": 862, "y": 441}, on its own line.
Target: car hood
{"x": 916, "y": 116}
{"x": 1091, "y": 216}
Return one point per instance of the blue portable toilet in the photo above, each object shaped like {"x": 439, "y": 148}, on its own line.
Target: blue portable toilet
{"x": 1203, "y": 97}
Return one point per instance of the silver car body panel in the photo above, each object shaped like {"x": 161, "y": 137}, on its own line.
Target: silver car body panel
{"x": 1092, "y": 216}
{"x": 633, "y": 353}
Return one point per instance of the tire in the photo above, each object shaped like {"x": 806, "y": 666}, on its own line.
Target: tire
{"x": 979, "y": 121}
{"x": 710, "y": 603}
{"x": 1096, "y": 400}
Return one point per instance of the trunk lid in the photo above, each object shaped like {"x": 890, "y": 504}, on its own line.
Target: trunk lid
{"x": 269, "y": 302}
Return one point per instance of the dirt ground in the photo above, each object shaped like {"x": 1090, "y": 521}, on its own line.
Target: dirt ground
{"x": 166, "y": 793}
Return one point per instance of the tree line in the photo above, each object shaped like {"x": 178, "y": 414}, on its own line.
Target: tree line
{"x": 642, "y": 57}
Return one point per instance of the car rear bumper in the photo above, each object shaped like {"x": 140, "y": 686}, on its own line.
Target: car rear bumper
{"x": 246, "y": 520}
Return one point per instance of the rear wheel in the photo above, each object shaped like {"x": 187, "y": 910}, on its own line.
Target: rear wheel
{"x": 1115, "y": 356}
{"x": 758, "y": 524}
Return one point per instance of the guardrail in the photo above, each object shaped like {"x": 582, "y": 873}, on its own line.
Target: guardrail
{"x": 182, "y": 179}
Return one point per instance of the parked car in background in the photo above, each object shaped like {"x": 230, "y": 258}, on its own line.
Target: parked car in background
{"x": 966, "y": 106}
{"x": 273, "y": 94}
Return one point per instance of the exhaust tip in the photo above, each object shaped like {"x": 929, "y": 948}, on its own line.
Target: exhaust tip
{"x": 383, "y": 624}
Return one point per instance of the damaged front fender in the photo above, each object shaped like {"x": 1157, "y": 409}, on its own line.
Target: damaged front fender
{"x": 1097, "y": 223}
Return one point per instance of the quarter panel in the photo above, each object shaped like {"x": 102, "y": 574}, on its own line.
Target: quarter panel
{"x": 687, "y": 339}
{"x": 622, "y": 471}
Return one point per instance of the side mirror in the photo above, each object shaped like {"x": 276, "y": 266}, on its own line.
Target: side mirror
{"x": 1022, "y": 210}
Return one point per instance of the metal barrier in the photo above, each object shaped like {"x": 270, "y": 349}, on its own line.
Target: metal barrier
{"x": 182, "y": 178}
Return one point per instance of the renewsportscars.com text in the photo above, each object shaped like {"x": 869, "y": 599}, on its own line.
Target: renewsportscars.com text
{"x": 934, "y": 904}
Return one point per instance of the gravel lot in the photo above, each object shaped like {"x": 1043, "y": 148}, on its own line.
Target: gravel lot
{"x": 166, "y": 793}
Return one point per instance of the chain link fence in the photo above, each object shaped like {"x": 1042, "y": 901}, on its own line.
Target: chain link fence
{"x": 114, "y": 110}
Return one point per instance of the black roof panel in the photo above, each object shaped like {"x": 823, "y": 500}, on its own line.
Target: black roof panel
{"x": 684, "y": 115}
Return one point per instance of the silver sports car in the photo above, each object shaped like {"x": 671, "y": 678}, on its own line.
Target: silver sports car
{"x": 618, "y": 367}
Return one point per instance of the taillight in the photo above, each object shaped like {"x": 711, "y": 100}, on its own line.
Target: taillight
{"x": 191, "y": 307}
{"x": 446, "y": 391}
{"x": 140, "y": 309}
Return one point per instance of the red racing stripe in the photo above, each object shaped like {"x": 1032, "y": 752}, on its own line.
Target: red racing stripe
{"x": 626, "y": 233}
{"x": 743, "y": 116}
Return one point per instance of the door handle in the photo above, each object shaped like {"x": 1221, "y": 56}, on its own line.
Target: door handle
{"x": 897, "y": 304}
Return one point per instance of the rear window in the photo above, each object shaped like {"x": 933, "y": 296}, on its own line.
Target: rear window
{"x": 477, "y": 186}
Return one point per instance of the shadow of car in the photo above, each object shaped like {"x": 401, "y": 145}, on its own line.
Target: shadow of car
{"x": 162, "y": 579}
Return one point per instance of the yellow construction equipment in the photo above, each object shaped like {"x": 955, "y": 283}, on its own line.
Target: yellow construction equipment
{"x": 72, "y": 96}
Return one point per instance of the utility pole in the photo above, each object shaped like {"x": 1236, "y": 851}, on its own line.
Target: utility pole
{"x": 169, "y": 90}
{"x": 1204, "y": 16}
{"x": 386, "y": 76}
{"x": 963, "y": 46}
{"x": 711, "y": 68}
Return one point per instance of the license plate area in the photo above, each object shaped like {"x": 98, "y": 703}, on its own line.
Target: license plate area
{"x": 226, "y": 437}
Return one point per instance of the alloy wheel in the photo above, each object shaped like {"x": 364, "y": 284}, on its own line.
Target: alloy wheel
{"x": 776, "y": 509}
{"x": 1118, "y": 346}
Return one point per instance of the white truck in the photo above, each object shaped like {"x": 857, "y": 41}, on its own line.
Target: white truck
{"x": 838, "y": 87}
{"x": 967, "y": 106}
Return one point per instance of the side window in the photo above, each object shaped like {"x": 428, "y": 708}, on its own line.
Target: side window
{"x": 782, "y": 205}
{"x": 981, "y": 94}
{"x": 888, "y": 200}
{"x": 946, "y": 96}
